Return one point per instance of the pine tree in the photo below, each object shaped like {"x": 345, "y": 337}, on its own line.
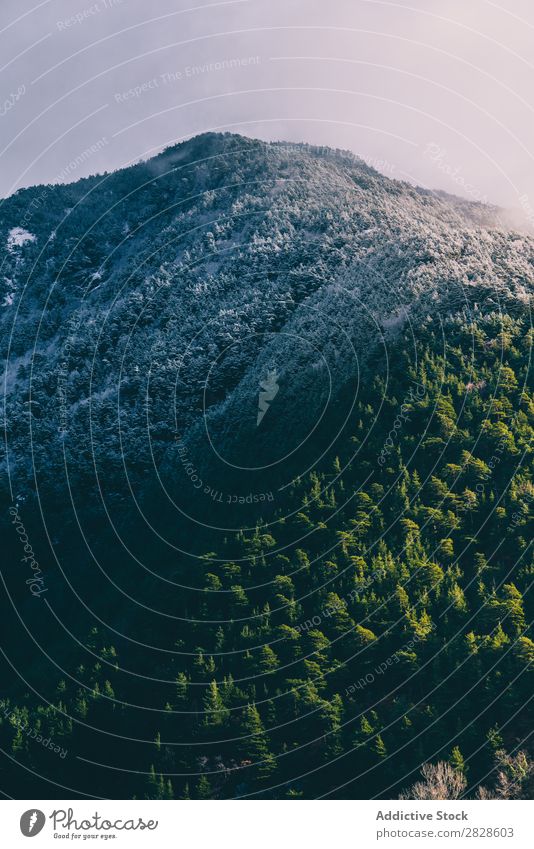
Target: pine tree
{"x": 457, "y": 761}
{"x": 255, "y": 743}
{"x": 215, "y": 712}
{"x": 379, "y": 747}
{"x": 203, "y": 789}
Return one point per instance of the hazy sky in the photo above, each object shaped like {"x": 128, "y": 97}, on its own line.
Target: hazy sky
{"x": 439, "y": 92}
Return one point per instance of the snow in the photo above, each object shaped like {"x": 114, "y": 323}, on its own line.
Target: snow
{"x": 17, "y": 237}
{"x": 10, "y": 291}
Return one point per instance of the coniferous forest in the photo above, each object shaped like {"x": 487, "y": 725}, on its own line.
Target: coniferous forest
{"x": 267, "y": 490}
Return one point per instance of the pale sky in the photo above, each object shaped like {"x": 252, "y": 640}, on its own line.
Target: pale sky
{"x": 437, "y": 92}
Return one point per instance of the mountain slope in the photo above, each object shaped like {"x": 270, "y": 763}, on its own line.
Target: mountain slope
{"x": 182, "y": 282}
{"x": 377, "y": 619}
{"x": 269, "y": 422}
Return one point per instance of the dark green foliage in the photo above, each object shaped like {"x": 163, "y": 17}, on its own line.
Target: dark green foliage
{"x": 397, "y": 644}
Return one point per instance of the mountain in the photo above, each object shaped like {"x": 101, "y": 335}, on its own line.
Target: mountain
{"x": 180, "y": 283}
{"x": 268, "y": 422}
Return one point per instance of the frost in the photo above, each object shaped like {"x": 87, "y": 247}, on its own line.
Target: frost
{"x": 9, "y": 296}
{"x": 17, "y": 237}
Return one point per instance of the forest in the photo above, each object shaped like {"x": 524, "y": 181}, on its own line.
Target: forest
{"x": 268, "y": 491}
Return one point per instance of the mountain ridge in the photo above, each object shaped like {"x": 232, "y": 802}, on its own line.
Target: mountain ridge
{"x": 200, "y": 270}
